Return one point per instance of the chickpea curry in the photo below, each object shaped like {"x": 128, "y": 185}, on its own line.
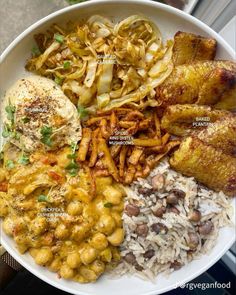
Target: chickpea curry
{"x": 70, "y": 224}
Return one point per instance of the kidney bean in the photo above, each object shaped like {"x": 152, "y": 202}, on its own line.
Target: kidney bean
{"x": 172, "y": 199}
{"x": 159, "y": 228}
{"x": 142, "y": 230}
{"x": 132, "y": 210}
{"x": 159, "y": 212}
{"x": 205, "y": 228}
{"x": 173, "y": 209}
{"x": 179, "y": 193}
{"x": 195, "y": 216}
{"x": 130, "y": 258}
{"x": 149, "y": 254}
{"x": 193, "y": 240}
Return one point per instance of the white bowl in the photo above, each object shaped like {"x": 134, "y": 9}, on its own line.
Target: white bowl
{"x": 169, "y": 20}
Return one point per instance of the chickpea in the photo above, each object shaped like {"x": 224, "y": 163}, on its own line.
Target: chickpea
{"x": 112, "y": 195}
{"x": 2, "y": 175}
{"x": 87, "y": 273}
{"x": 88, "y": 255}
{"x": 55, "y": 265}
{"x": 73, "y": 260}
{"x": 106, "y": 255}
{"x": 117, "y": 237}
{"x": 88, "y": 211}
{"x": 3, "y": 207}
{"x": 66, "y": 272}
{"x": 80, "y": 279}
{"x": 39, "y": 225}
{"x": 21, "y": 239}
{"x": 98, "y": 267}
{"x": 8, "y": 226}
{"x": 120, "y": 188}
{"x": 117, "y": 218}
{"x": 79, "y": 232}
{"x": 74, "y": 208}
{"x": 80, "y": 194}
{"x": 22, "y": 248}
{"x": 44, "y": 256}
{"x": 99, "y": 241}
{"x": 115, "y": 254}
{"x": 33, "y": 252}
{"x": 61, "y": 232}
{"x": 101, "y": 182}
{"x": 106, "y": 224}
{"x": 118, "y": 208}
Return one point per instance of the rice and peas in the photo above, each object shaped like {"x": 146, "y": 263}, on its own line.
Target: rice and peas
{"x": 169, "y": 220}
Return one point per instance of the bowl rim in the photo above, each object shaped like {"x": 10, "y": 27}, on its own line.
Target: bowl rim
{"x": 179, "y": 13}
{"x": 165, "y": 7}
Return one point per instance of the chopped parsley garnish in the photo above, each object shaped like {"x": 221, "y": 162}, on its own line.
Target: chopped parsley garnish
{"x": 59, "y": 38}
{"x": 9, "y": 132}
{"x": 42, "y": 198}
{"x": 108, "y": 205}
{"x": 83, "y": 113}
{"x": 72, "y": 165}
{"x": 46, "y": 133}
{"x": 35, "y": 51}
{"x": 73, "y": 147}
{"x": 72, "y": 168}
{"x": 23, "y": 160}
{"x": 25, "y": 120}
{"x": 71, "y": 156}
{"x": 10, "y": 112}
{"x": 6, "y": 131}
{"x": 10, "y": 164}
{"x": 15, "y": 135}
{"x": 58, "y": 80}
{"x": 66, "y": 65}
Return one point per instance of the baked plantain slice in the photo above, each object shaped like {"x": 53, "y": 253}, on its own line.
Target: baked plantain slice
{"x": 219, "y": 82}
{"x": 181, "y": 120}
{"x": 221, "y": 134}
{"x": 207, "y": 164}
{"x": 189, "y": 47}
{"x": 200, "y": 82}
{"x": 227, "y": 100}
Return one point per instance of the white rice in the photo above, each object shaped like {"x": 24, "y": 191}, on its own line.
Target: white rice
{"x": 172, "y": 246}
